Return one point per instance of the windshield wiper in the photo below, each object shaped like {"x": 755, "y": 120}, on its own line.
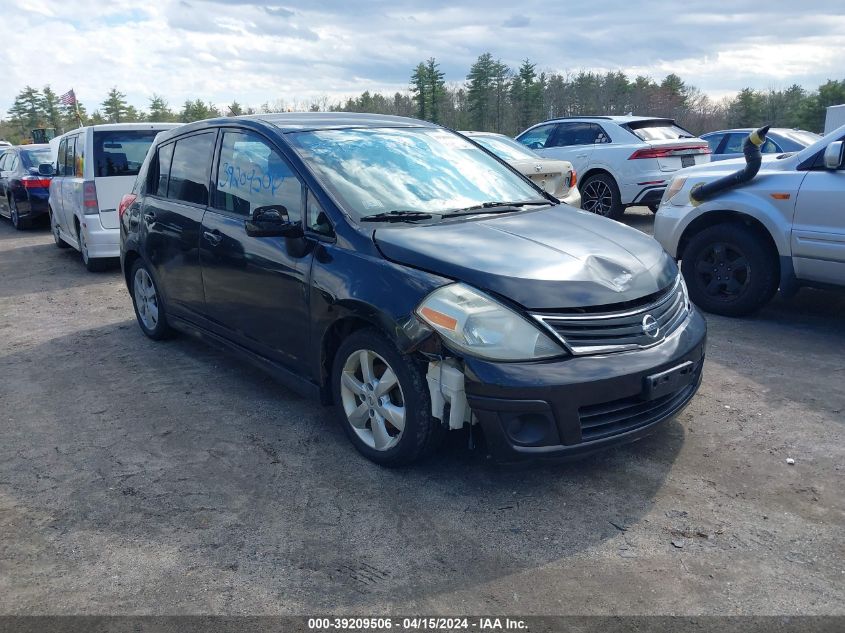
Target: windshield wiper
{"x": 397, "y": 216}
{"x": 496, "y": 207}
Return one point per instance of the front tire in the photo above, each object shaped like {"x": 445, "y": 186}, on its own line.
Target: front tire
{"x": 382, "y": 400}
{"x": 730, "y": 270}
{"x": 600, "y": 195}
{"x": 146, "y": 299}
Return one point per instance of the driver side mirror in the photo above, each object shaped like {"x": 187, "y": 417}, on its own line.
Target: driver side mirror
{"x": 46, "y": 169}
{"x": 834, "y": 155}
{"x": 272, "y": 221}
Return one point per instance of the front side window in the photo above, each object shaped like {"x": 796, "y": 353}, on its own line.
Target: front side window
{"x": 537, "y": 137}
{"x": 430, "y": 170}
{"x": 190, "y": 168}
{"x": 713, "y": 141}
{"x": 121, "y": 152}
{"x": 251, "y": 174}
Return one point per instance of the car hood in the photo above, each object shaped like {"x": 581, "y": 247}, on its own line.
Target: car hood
{"x": 560, "y": 257}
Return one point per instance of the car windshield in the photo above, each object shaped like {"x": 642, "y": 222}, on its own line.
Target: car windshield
{"x": 505, "y": 148}
{"x": 429, "y": 170}
{"x": 35, "y": 157}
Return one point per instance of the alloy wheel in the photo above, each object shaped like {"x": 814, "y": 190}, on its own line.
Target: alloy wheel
{"x": 146, "y": 299}
{"x": 373, "y": 400}
{"x": 723, "y": 271}
{"x": 597, "y": 198}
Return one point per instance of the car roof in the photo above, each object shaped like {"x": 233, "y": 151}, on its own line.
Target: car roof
{"x": 627, "y": 118}
{"x": 774, "y": 130}
{"x": 300, "y": 121}
{"x": 138, "y": 125}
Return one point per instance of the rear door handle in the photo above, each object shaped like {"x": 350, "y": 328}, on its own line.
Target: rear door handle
{"x": 213, "y": 237}
{"x": 149, "y": 217}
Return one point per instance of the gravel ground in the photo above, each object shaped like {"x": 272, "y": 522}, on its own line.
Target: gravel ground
{"x": 169, "y": 478}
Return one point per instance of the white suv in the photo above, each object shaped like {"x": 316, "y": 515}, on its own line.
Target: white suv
{"x": 621, "y": 161}
{"x": 783, "y": 229}
{"x": 94, "y": 167}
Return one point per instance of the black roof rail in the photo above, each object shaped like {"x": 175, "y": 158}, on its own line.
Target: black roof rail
{"x": 586, "y": 116}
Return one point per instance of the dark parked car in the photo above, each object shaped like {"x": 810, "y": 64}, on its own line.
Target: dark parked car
{"x": 727, "y": 144}
{"x": 396, "y": 270}
{"x": 23, "y": 190}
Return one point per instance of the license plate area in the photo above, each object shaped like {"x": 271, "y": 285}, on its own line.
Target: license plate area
{"x": 687, "y": 161}
{"x": 669, "y": 381}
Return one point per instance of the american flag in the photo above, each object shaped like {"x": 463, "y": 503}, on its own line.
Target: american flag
{"x": 68, "y": 98}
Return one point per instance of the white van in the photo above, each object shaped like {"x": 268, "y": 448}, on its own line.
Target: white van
{"x": 95, "y": 167}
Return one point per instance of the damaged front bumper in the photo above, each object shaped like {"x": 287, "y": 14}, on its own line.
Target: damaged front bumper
{"x": 573, "y": 406}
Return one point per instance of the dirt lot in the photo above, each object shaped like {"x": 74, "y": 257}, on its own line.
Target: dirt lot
{"x": 168, "y": 478}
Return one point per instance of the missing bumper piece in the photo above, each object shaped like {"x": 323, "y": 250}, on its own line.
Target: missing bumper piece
{"x": 446, "y": 386}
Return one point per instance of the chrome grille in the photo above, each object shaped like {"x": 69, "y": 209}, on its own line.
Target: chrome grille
{"x": 616, "y": 331}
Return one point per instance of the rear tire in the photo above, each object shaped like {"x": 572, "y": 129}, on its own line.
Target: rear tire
{"x": 146, "y": 299}
{"x": 54, "y": 229}
{"x": 19, "y": 223}
{"x": 92, "y": 264}
{"x": 376, "y": 390}
{"x": 730, "y": 270}
{"x": 600, "y": 195}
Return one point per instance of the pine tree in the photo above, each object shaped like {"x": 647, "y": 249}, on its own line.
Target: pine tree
{"x": 480, "y": 92}
{"x": 52, "y": 112}
{"x": 159, "y": 110}
{"x": 419, "y": 88}
{"x": 235, "y": 109}
{"x": 115, "y": 108}
{"x": 436, "y": 89}
{"x": 526, "y": 95}
{"x": 27, "y": 112}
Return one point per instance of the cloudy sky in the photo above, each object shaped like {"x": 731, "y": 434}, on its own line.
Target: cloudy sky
{"x": 297, "y": 50}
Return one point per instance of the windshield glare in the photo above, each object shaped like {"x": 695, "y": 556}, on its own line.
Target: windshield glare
{"x": 35, "y": 157}
{"x": 505, "y": 148}
{"x": 431, "y": 170}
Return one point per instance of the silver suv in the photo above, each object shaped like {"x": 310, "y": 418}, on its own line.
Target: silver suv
{"x": 783, "y": 229}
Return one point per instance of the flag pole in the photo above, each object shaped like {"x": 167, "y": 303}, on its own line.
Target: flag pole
{"x": 76, "y": 107}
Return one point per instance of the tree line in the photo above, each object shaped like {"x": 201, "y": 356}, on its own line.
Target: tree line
{"x": 494, "y": 97}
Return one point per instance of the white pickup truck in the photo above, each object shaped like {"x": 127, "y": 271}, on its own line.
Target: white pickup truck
{"x": 782, "y": 229}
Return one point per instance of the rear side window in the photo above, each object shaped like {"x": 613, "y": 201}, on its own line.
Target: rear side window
{"x": 537, "y": 137}
{"x": 736, "y": 141}
{"x": 3, "y": 159}
{"x": 190, "y": 167}
{"x": 36, "y": 157}
{"x": 60, "y": 158}
{"x": 121, "y": 152}
{"x": 252, "y": 174}
{"x": 578, "y": 134}
{"x": 657, "y": 130}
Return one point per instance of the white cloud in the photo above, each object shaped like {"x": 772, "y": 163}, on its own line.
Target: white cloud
{"x": 298, "y": 49}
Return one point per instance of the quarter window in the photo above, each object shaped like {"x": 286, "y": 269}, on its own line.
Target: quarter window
{"x": 160, "y": 170}
{"x": 318, "y": 221}
{"x": 189, "y": 169}
{"x": 252, "y": 174}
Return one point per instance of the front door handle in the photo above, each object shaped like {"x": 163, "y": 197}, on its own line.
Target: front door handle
{"x": 213, "y": 237}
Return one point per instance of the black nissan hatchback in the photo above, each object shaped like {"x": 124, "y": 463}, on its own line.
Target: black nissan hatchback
{"x": 402, "y": 273}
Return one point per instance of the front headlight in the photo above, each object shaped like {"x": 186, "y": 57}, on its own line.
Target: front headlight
{"x": 673, "y": 189}
{"x": 474, "y": 323}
